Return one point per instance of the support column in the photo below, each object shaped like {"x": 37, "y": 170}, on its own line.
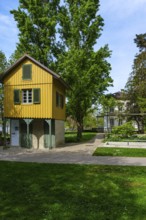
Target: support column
{"x": 28, "y": 121}
{"x": 4, "y": 132}
{"x": 51, "y": 137}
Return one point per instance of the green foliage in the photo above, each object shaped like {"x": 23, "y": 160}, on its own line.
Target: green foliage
{"x": 68, "y": 192}
{"x": 78, "y": 26}
{"x": 141, "y": 137}
{"x": 100, "y": 122}
{"x": 15, "y": 56}
{"x": 3, "y": 67}
{"x": 90, "y": 120}
{"x": 135, "y": 87}
{"x": 3, "y": 62}
{"x": 107, "y": 102}
{"x": 85, "y": 70}
{"x": 132, "y": 138}
{"x": 140, "y": 41}
{"x": 124, "y": 130}
{"x": 37, "y": 21}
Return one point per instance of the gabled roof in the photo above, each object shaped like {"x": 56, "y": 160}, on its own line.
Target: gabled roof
{"x": 26, "y": 56}
{"x": 118, "y": 95}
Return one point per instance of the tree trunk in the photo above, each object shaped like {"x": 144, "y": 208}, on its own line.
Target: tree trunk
{"x": 140, "y": 126}
{"x": 5, "y": 138}
{"x": 79, "y": 131}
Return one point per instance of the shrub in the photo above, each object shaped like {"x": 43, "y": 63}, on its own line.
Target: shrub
{"x": 124, "y": 130}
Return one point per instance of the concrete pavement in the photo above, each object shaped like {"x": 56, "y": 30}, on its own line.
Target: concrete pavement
{"x": 69, "y": 154}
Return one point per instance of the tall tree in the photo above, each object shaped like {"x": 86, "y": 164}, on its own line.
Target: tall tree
{"x": 83, "y": 68}
{"x": 36, "y": 21}
{"x": 3, "y": 62}
{"x": 140, "y": 41}
{"x": 3, "y": 67}
{"x": 136, "y": 84}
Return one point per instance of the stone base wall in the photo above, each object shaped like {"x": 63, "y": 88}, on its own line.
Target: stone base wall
{"x": 59, "y": 133}
{"x": 37, "y": 129}
{"x": 38, "y": 134}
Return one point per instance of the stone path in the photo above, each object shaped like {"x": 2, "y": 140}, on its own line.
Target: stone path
{"x": 69, "y": 154}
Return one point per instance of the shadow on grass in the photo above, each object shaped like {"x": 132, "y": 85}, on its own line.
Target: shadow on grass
{"x": 71, "y": 192}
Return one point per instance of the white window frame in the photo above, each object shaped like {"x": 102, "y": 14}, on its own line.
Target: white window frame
{"x": 27, "y": 96}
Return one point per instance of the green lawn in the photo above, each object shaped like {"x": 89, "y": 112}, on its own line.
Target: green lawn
{"x": 122, "y": 152}
{"x": 30, "y": 191}
{"x": 132, "y": 138}
{"x": 71, "y": 137}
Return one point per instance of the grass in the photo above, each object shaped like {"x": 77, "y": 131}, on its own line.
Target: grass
{"x": 71, "y": 192}
{"x": 122, "y": 152}
{"x": 71, "y": 137}
{"x": 132, "y": 138}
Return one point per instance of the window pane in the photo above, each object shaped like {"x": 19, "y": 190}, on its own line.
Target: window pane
{"x": 27, "y": 96}
{"x": 24, "y": 99}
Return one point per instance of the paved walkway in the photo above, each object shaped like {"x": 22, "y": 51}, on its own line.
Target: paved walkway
{"x": 69, "y": 154}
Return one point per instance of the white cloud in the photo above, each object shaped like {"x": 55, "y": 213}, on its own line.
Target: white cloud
{"x": 4, "y": 19}
{"x": 8, "y": 34}
{"x": 7, "y": 25}
{"x": 121, "y": 8}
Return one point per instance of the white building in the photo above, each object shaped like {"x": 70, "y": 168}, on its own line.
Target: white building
{"x": 115, "y": 115}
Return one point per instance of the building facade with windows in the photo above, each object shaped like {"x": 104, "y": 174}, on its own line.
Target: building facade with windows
{"x": 34, "y": 101}
{"x": 115, "y": 116}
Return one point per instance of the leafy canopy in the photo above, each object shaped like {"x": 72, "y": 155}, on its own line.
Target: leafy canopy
{"x": 36, "y": 21}
{"x": 83, "y": 68}
{"x": 62, "y": 35}
{"x": 3, "y": 62}
{"x": 136, "y": 84}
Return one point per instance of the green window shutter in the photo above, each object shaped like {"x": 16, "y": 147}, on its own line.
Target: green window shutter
{"x": 36, "y": 96}
{"x": 27, "y": 71}
{"x": 16, "y": 96}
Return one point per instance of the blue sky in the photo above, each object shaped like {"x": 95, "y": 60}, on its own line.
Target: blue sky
{"x": 123, "y": 20}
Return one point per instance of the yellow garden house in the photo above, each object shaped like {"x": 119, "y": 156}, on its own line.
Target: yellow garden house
{"x": 34, "y": 101}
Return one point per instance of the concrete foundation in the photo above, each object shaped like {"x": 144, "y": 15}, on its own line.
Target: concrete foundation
{"x": 59, "y": 132}
{"x": 38, "y": 134}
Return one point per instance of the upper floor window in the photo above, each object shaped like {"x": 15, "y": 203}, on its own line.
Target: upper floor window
{"x": 112, "y": 122}
{"x": 112, "y": 110}
{"x": 120, "y": 122}
{"x": 59, "y": 100}
{"x": 27, "y": 72}
{"x": 27, "y": 96}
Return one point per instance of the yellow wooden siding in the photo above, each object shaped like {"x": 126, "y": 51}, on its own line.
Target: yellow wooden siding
{"x": 42, "y": 110}
{"x": 39, "y": 75}
{"x": 40, "y": 79}
{"x": 58, "y": 112}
